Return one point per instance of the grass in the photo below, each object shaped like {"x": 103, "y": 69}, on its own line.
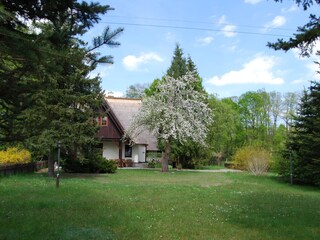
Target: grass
{"x": 148, "y": 204}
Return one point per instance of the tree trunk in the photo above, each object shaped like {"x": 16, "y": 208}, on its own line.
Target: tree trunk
{"x": 165, "y": 157}
{"x": 51, "y": 163}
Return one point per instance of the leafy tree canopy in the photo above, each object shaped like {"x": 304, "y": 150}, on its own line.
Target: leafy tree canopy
{"x": 136, "y": 90}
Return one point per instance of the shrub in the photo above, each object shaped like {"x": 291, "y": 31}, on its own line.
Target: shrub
{"x": 108, "y": 166}
{"x": 194, "y": 163}
{"x": 129, "y": 162}
{"x": 95, "y": 163}
{"x": 253, "y": 159}
{"x": 152, "y": 164}
{"x": 14, "y": 155}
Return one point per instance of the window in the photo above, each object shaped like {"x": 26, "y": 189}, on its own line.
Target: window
{"x": 103, "y": 121}
{"x": 128, "y": 151}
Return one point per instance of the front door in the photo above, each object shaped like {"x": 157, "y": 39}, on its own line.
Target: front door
{"x": 142, "y": 153}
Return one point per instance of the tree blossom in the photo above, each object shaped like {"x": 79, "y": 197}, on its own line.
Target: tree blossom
{"x": 175, "y": 112}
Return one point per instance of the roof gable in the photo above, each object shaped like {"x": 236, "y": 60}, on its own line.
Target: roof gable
{"x": 124, "y": 109}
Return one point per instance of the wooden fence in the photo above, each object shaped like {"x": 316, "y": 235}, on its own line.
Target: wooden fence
{"x": 22, "y": 168}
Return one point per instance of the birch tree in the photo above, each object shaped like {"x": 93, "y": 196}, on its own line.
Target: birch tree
{"x": 176, "y": 112}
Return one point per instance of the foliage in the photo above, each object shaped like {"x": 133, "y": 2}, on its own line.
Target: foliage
{"x": 253, "y": 159}
{"x": 152, "y": 164}
{"x": 189, "y": 154}
{"x": 92, "y": 162}
{"x": 254, "y": 111}
{"x": 175, "y": 112}
{"x": 307, "y": 35}
{"x": 14, "y": 155}
{"x": 197, "y": 163}
{"x": 289, "y": 108}
{"x": 223, "y": 136}
{"x": 46, "y": 91}
{"x": 252, "y": 119}
{"x": 180, "y": 66}
{"x": 304, "y": 139}
{"x": 136, "y": 91}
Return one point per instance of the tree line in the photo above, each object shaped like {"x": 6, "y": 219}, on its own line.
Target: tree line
{"x": 286, "y": 125}
{"x": 255, "y": 118}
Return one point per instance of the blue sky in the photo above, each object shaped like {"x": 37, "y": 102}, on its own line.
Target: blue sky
{"x": 225, "y": 38}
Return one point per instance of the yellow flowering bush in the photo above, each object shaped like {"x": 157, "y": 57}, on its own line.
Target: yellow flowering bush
{"x": 253, "y": 159}
{"x": 14, "y": 155}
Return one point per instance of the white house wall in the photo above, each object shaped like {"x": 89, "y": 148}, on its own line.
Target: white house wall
{"x": 110, "y": 150}
{"x": 138, "y": 153}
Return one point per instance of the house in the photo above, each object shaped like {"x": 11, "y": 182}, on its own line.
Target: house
{"x": 115, "y": 117}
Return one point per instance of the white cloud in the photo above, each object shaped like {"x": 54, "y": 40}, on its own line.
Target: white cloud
{"x": 252, "y": 1}
{"x": 170, "y": 37}
{"x": 222, "y": 20}
{"x": 298, "y": 81}
{"x": 293, "y": 8}
{"x": 205, "y": 41}
{"x": 278, "y": 21}
{"x": 313, "y": 68}
{"x": 257, "y": 71}
{"x": 229, "y": 30}
{"x": 132, "y": 63}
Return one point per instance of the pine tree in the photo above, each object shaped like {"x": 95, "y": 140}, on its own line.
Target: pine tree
{"x": 178, "y": 65}
{"x": 55, "y": 99}
{"x": 305, "y": 137}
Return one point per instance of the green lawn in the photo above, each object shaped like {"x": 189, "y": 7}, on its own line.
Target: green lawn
{"x": 148, "y": 204}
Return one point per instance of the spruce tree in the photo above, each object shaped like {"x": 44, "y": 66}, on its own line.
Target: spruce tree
{"x": 178, "y": 65}
{"x": 55, "y": 99}
{"x": 304, "y": 140}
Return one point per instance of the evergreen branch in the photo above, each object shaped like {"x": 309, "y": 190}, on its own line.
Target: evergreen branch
{"x": 304, "y": 40}
{"x": 106, "y": 39}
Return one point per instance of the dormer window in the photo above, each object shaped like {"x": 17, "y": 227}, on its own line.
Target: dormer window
{"x": 103, "y": 121}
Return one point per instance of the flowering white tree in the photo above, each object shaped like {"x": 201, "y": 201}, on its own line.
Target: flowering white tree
{"x": 176, "y": 111}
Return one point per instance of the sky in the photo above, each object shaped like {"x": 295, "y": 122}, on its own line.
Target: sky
{"x": 226, "y": 39}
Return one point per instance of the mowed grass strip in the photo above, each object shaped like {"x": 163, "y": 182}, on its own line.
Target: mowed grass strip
{"x": 147, "y": 204}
